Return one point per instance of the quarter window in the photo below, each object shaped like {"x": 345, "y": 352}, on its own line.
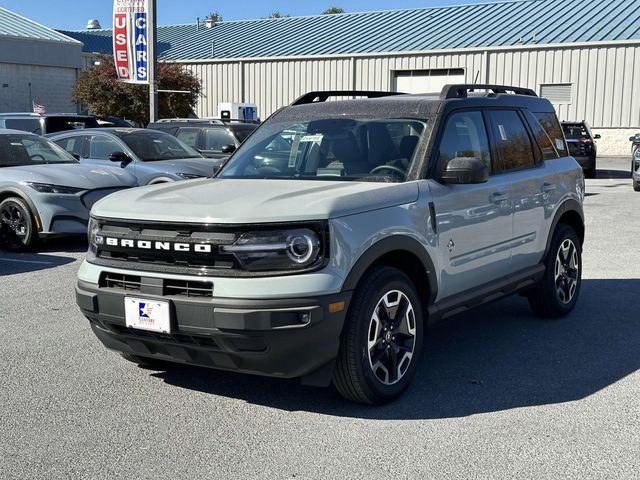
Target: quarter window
{"x": 545, "y": 144}
{"x": 465, "y": 136}
{"x": 513, "y": 144}
{"x": 551, "y": 125}
{"x": 72, "y": 145}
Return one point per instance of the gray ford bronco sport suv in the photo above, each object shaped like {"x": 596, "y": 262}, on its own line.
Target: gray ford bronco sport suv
{"x": 336, "y": 232}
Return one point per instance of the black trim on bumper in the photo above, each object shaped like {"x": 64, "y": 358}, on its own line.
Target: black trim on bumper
{"x": 264, "y": 337}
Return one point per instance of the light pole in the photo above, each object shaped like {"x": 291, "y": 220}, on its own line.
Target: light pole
{"x": 153, "y": 62}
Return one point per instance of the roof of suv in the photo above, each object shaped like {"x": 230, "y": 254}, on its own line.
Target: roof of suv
{"x": 412, "y": 105}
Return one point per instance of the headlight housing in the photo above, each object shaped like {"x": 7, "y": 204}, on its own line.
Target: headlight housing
{"x": 278, "y": 250}
{"x": 58, "y": 189}
{"x": 95, "y": 240}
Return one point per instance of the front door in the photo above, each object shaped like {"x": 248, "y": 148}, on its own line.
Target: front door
{"x": 474, "y": 222}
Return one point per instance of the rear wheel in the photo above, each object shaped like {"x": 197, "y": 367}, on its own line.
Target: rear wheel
{"x": 17, "y": 225}
{"x": 382, "y": 339}
{"x": 557, "y": 293}
{"x": 636, "y": 186}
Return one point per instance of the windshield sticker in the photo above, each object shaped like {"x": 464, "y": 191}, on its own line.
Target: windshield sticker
{"x": 560, "y": 144}
{"x": 312, "y": 138}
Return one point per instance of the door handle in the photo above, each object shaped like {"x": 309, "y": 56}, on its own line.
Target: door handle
{"x": 548, "y": 187}
{"x": 499, "y": 197}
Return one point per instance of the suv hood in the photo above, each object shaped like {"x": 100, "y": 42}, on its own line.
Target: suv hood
{"x": 253, "y": 201}
{"x": 70, "y": 175}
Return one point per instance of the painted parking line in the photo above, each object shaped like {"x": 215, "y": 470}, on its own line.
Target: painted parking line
{"x": 35, "y": 262}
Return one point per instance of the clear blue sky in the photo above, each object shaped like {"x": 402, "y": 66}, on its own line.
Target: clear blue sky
{"x": 73, "y": 14}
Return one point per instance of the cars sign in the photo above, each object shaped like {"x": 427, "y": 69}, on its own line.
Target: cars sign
{"x": 130, "y": 40}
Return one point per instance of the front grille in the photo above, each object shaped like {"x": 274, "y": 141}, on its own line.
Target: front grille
{"x": 121, "y": 282}
{"x": 155, "y": 286}
{"x": 193, "y": 340}
{"x": 189, "y": 289}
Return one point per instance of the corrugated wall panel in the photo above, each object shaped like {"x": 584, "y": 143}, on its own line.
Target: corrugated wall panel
{"x": 602, "y": 78}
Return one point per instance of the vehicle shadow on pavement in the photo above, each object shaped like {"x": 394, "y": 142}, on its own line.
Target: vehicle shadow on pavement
{"x": 16, "y": 263}
{"x": 613, "y": 174}
{"x": 495, "y": 358}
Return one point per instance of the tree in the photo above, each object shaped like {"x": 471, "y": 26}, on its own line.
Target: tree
{"x": 215, "y": 16}
{"x": 333, "y": 11}
{"x": 278, "y": 15}
{"x": 103, "y": 94}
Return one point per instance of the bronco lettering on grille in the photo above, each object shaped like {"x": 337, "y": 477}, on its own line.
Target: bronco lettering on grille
{"x": 159, "y": 246}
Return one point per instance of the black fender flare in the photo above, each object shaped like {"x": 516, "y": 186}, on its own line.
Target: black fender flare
{"x": 570, "y": 205}
{"x": 15, "y": 192}
{"x": 395, "y": 243}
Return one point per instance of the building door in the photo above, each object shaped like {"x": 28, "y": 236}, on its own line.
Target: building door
{"x": 427, "y": 81}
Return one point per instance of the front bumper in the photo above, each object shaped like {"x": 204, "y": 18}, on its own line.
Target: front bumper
{"x": 264, "y": 337}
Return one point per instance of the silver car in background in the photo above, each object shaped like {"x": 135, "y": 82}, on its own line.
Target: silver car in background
{"x": 46, "y": 192}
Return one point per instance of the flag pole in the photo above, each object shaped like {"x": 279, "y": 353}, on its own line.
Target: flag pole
{"x": 153, "y": 62}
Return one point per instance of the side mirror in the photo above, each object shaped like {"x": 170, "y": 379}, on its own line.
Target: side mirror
{"x": 466, "y": 170}
{"x": 597, "y": 136}
{"x": 634, "y": 139}
{"x": 229, "y": 149}
{"x": 120, "y": 157}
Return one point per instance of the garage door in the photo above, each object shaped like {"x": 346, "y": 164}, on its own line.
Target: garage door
{"x": 427, "y": 81}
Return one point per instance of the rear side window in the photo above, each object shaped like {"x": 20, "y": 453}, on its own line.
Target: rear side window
{"x": 512, "y": 141}
{"x": 189, "y": 136}
{"x": 25, "y": 124}
{"x": 464, "y": 136}
{"x": 72, "y": 145}
{"x": 545, "y": 144}
{"x": 551, "y": 125}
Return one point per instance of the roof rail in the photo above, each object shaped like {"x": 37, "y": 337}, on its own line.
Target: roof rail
{"x": 462, "y": 90}
{"x": 191, "y": 120}
{"x": 323, "y": 96}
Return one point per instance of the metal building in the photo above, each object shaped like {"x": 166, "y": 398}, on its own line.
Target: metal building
{"x": 37, "y": 64}
{"x": 584, "y": 55}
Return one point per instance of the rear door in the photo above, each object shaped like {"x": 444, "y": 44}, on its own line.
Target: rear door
{"x": 474, "y": 222}
{"x": 533, "y": 183}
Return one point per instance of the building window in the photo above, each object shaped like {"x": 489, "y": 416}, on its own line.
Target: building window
{"x": 427, "y": 81}
{"x": 558, "y": 93}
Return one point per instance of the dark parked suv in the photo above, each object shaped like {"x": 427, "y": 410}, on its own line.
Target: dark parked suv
{"x": 213, "y": 138}
{"x": 582, "y": 145}
{"x": 47, "y": 123}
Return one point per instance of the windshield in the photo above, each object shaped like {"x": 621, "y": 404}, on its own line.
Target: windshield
{"x": 154, "y": 146}
{"x": 373, "y": 150}
{"x": 25, "y": 150}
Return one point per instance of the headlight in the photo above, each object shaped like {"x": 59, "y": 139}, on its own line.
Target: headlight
{"x": 59, "y": 189}
{"x": 94, "y": 239}
{"x": 281, "y": 250}
{"x": 188, "y": 176}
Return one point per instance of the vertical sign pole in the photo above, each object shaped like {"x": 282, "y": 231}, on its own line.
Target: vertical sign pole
{"x": 153, "y": 62}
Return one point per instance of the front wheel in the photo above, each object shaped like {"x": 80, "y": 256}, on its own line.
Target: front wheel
{"x": 557, "y": 293}
{"x": 17, "y": 225}
{"x": 636, "y": 186}
{"x": 382, "y": 339}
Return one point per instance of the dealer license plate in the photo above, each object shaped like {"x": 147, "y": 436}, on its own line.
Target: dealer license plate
{"x": 149, "y": 315}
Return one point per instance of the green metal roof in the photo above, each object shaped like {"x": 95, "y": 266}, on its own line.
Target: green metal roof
{"x": 17, "y": 26}
{"x": 527, "y": 22}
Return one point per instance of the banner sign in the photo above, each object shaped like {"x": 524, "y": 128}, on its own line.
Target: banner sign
{"x": 130, "y": 40}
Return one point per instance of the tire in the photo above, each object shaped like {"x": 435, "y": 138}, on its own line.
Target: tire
{"x": 142, "y": 361}
{"x": 18, "y": 230}
{"x": 367, "y": 350}
{"x": 636, "y": 186}
{"x": 590, "y": 173}
{"x": 557, "y": 293}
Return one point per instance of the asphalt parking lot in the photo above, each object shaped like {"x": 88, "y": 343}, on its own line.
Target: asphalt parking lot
{"x": 499, "y": 393}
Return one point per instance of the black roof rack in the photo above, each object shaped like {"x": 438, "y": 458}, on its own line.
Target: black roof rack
{"x": 462, "y": 90}
{"x": 323, "y": 96}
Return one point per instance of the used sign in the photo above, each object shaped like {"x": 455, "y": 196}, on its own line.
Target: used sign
{"x": 131, "y": 40}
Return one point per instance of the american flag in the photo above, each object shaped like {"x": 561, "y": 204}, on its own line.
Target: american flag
{"x": 37, "y": 108}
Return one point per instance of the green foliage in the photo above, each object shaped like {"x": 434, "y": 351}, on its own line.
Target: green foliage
{"x": 333, "y": 11}
{"x": 103, "y": 94}
{"x": 278, "y": 15}
{"x": 215, "y": 16}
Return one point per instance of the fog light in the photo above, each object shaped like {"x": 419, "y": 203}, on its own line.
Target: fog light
{"x": 305, "y": 318}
